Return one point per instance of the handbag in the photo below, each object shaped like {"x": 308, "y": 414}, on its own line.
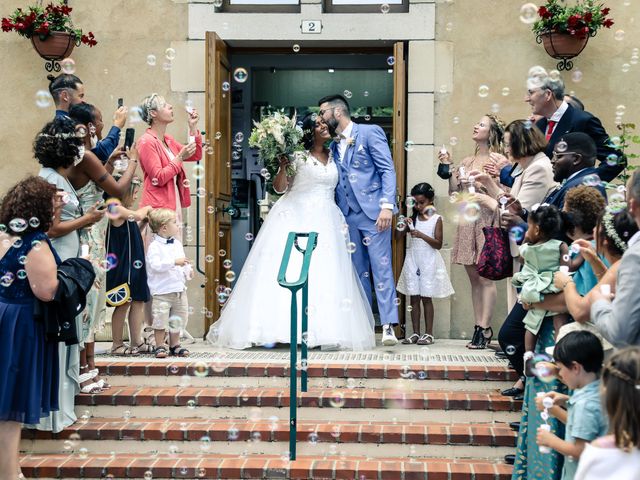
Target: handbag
{"x": 495, "y": 262}
{"x": 120, "y": 294}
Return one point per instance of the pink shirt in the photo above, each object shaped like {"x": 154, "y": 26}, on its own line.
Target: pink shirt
{"x": 161, "y": 175}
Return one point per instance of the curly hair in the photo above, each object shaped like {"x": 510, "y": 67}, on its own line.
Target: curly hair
{"x": 586, "y": 205}
{"x": 548, "y": 219}
{"x": 309, "y": 127}
{"x": 29, "y": 200}
{"x": 57, "y": 144}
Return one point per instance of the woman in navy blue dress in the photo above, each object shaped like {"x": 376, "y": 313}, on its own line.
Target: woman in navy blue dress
{"x": 28, "y": 265}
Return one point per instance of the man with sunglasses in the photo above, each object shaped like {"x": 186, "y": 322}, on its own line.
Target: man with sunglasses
{"x": 573, "y": 160}
{"x": 546, "y": 96}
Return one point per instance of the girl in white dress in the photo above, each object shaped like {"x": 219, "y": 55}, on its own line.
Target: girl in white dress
{"x": 424, "y": 275}
{"x": 258, "y": 310}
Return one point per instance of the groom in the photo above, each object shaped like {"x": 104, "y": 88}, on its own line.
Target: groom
{"x": 365, "y": 194}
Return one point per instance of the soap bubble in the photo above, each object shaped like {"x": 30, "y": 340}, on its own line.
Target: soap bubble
{"x": 471, "y": 212}
{"x": 516, "y": 234}
{"x": 561, "y": 147}
{"x": 409, "y": 145}
{"x": 391, "y": 60}
{"x": 506, "y": 91}
{"x": 226, "y": 86}
{"x": 347, "y": 94}
{"x": 625, "y": 67}
{"x": 619, "y": 35}
{"x": 151, "y": 60}
{"x": 620, "y": 110}
{"x": 384, "y": 8}
{"x": 248, "y": 236}
{"x": 240, "y": 75}
{"x": 528, "y": 13}
{"x": 337, "y": 399}
{"x": 483, "y": 91}
{"x": 43, "y": 99}
{"x": 68, "y": 66}
{"x": 510, "y": 350}
{"x": 170, "y": 53}
{"x": 296, "y": 48}
{"x": 576, "y": 76}
{"x": 591, "y": 180}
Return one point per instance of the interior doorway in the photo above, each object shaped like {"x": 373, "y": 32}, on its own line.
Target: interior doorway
{"x": 249, "y": 84}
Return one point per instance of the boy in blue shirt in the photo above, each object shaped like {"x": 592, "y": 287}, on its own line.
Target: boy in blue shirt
{"x": 579, "y": 356}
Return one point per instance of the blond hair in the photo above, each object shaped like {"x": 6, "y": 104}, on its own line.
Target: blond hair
{"x": 159, "y": 217}
{"x": 151, "y": 103}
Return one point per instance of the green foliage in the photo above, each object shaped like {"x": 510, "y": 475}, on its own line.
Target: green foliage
{"x": 582, "y": 19}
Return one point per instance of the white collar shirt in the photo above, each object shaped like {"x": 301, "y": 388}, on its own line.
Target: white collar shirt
{"x": 557, "y": 115}
{"x": 344, "y": 135}
{"x": 163, "y": 275}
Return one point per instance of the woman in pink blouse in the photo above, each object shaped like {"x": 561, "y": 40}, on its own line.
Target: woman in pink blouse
{"x": 162, "y": 157}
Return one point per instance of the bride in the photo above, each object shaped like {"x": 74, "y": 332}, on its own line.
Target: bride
{"x": 258, "y": 310}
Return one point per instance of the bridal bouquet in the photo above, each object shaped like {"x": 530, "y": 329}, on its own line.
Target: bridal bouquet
{"x": 275, "y": 136}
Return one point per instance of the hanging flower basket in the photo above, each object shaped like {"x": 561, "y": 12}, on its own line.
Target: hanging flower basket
{"x": 563, "y": 46}
{"x": 564, "y": 30}
{"x": 55, "y": 46}
{"x": 50, "y": 29}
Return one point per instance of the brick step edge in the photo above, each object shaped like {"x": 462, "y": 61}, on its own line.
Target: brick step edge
{"x": 425, "y": 371}
{"x": 269, "y": 467}
{"x": 193, "y": 397}
{"x": 194, "y": 429}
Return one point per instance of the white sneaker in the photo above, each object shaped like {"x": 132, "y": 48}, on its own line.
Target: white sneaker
{"x": 388, "y": 336}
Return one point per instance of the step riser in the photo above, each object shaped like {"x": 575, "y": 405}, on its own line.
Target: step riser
{"x": 317, "y": 414}
{"x": 282, "y": 382}
{"x": 384, "y": 450}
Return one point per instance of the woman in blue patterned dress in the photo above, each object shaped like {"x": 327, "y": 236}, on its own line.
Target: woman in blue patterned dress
{"x": 28, "y": 265}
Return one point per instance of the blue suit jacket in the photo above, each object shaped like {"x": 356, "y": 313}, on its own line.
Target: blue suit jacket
{"x": 368, "y": 169}
{"x": 557, "y": 198}
{"x": 575, "y": 120}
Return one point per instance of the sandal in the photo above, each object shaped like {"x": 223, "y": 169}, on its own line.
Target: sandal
{"x": 426, "y": 339}
{"x": 91, "y": 388}
{"x": 102, "y": 383}
{"x": 412, "y": 339}
{"x": 179, "y": 351}
{"x": 483, "y": 339}
{"x": 145, "y": 347}
{"x": 148, "y": 335}
{"x": 161, "y": 351}
{"x": 124, "y": 350}
{"x": 474, "y": 338}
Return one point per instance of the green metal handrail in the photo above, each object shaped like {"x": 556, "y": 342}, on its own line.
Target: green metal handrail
{"x": 301, "y": 283}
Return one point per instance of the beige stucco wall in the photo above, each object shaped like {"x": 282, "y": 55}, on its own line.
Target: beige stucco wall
{"x": 476, "y": 42}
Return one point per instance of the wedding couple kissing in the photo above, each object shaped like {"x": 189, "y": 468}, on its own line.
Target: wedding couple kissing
{"x": 345, "y": 193}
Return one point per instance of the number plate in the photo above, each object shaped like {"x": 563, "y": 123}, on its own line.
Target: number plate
{"x": 311, "y": 26}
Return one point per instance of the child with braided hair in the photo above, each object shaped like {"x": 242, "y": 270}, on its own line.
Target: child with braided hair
{"x": 617, "y": 456}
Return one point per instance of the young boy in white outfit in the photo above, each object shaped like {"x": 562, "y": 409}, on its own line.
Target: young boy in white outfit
{"x": 168, "y": 270}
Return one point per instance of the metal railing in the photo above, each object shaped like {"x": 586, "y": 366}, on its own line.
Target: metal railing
{"x": 301, "y": 283}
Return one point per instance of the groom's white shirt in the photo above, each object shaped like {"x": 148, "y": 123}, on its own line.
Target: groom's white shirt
{"x": 342, "y": 146}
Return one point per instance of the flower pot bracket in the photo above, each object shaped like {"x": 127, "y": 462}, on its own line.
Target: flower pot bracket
{"x": 563, "y": 46}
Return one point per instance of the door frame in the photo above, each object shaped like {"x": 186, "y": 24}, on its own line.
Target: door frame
{"x": 218, "y": 52}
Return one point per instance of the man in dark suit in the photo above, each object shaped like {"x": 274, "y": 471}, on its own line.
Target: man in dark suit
{"x": 546, "y": 97}
{"x": 573, "y": 160}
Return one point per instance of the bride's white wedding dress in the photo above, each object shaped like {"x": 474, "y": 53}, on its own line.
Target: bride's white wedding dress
{"x": 258, "y": 311}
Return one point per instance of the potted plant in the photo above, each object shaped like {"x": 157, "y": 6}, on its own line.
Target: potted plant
{"x": 50, "y": 29}
{"x": 564, "y": 30}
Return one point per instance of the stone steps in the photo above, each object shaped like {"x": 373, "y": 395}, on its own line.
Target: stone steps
{"x": 226, "y": 415}
{"x": 265, "y": 467}
{"x": 196, "y": 435}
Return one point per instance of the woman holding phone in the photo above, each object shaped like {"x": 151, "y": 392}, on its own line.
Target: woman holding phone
{"x": 91, "y": 180}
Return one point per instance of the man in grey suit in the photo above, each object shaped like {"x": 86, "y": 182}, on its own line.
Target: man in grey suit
{"x": 619, "y": 320}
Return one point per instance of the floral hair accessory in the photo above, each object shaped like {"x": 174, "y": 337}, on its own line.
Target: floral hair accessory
{"x": 607, "y": 222}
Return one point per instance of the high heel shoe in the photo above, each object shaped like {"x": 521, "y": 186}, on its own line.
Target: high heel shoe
{"x": 474, "y": 338}
{"x": 483, "y": 338}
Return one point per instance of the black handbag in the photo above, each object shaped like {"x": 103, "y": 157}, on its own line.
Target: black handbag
{"x": 443, "y": 171}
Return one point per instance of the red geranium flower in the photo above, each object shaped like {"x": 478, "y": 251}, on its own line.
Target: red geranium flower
{"x": 607, "y": 23}
{"x": 605, "y": 11}
{"x": 7, "y": 26}
{"x": 588, "y": 17}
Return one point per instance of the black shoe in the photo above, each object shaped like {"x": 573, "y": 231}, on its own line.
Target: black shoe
{"x": 512, "y": 392}
{"x": 510, "y": 459}
{"x": 501, "y": 354}
{"x": 519, "y": 398}
{"x": 515, "y": 426}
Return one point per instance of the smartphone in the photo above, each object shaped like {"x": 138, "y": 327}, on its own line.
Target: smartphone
{"x": 128, "y": 137}
{"x": 120, "y": 102}
{"x": 102, "y": 206}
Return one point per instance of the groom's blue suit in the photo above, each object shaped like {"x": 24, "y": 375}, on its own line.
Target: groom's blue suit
{"x": 367, "y": 180}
